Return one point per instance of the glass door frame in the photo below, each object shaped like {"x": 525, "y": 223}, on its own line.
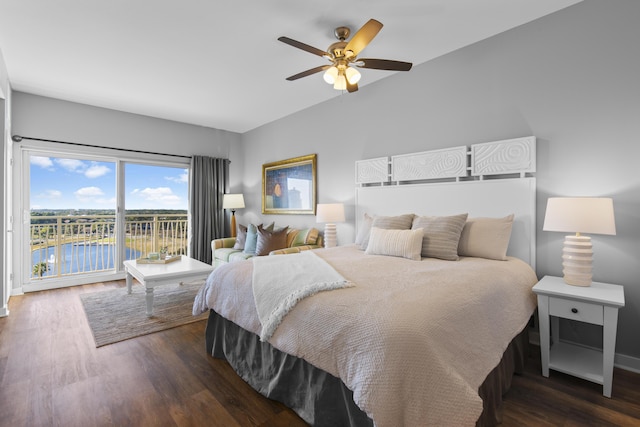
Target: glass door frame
{"x": 21, "y": 198}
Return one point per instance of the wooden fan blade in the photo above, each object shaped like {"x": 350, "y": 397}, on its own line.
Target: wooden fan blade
{"x": 303, "y": 46}
{"x": 352, "y": 87}
{"x": 363, "y": 37}
{"x": 385, "y": 64}
{"x": 308, "y": 72}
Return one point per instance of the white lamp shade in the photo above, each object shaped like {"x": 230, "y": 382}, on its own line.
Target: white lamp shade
{"x": 330, "y": 75}
{"x": 340, "y": 83}
{"x": 233, "y": 201}
{"x": 330, "y": 212}
{"x": 591, "y": 215}
{"x": 353, "y": 75}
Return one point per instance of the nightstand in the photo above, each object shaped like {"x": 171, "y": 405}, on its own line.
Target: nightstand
{"x": 597, "y": 304}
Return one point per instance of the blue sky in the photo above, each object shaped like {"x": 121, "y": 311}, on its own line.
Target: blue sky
{"x": 60, "y": 183}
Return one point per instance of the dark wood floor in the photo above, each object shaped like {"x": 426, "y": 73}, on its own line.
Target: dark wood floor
{"x": 52, "y": 374}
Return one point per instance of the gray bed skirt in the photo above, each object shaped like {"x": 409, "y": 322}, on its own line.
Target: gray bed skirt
{"x": 318, "y": 397}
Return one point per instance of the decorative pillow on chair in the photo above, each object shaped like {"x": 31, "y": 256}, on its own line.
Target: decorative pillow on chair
{"x": 441, "y": 235}
{"x": 307, "y": 236}
{"x": 486, "y": 237}
{"x": 270, "y": 240}
{"x": 400, "y": 243}
{"x": 241, "y": 237}
{"x": 252, "y": 237}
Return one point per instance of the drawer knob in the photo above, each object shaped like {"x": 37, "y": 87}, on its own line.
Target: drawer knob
{"x": 574, "y": 310}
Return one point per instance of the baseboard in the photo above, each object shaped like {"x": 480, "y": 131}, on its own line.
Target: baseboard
{"x": 4, "y": 312}
{"x": 622, "y": 361}
{"x": 628, "y": 363}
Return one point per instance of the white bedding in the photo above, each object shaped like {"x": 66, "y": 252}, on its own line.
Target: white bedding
{"x": 413, "y": 340}
{"x": 279, "y": 284}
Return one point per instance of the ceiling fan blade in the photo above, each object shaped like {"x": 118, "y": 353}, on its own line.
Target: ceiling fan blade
{"x": 363, "y": 37}
{"x": 308, "y": 72}
{"x": 352, "y": 87}
{"x": 384, "y": 64}
{"x": 303, "y": 46}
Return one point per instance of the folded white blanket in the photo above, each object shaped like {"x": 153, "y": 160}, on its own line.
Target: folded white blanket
{"x": 279, "y": 282}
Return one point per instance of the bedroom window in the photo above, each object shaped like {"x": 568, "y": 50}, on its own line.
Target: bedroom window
{"x": 84, "y": 214}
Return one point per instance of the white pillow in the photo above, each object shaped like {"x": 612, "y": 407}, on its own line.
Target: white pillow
{"x": 364, "y": 230}
{"x": 400, "y": 243}
{"x": 486, "y": 237}
{"x": 398, "y": 222}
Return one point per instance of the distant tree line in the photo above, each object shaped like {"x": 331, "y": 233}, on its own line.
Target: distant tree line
{"x": 44, "y": 215}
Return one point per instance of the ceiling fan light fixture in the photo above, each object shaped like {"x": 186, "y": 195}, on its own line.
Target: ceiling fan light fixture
{"x": 341, "y": 83}
{"x": 331, "y": 74}
{"x": 353, "y": 75}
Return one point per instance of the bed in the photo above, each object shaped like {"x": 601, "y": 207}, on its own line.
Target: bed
{"x": 408, "y": 340}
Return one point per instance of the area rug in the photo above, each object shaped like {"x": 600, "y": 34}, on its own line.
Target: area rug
{"x": 115, "y": 316}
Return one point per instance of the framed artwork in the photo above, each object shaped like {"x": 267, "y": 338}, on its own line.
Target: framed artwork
{"x": 289, "y": 186}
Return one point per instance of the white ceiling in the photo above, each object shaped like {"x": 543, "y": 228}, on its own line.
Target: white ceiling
{"x": 218, "y": 63}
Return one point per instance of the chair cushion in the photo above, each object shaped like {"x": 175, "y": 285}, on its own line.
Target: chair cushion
{"x": 239, "y": 256}
{"x": 223, "y": 254}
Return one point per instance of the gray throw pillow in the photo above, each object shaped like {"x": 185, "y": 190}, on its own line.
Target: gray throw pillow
{"x": 441, "y": 235}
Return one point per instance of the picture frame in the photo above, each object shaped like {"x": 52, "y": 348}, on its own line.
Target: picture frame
{"x": 289, "y": 186}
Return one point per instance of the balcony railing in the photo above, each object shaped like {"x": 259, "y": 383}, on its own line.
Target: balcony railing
{"x": 68, "y": 245}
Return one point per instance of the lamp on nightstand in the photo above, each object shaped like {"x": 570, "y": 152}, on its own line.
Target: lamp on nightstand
{"x": 330, "y": 213}
{"x": 233, "y": 202}
{"x": 593, "y": 215}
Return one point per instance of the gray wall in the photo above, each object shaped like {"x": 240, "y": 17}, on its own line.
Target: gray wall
{"x": 570, "y": 79}
{"x": 48, "y": 118}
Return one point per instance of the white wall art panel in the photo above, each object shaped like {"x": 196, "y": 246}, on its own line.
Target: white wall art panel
{"x": 434, "y": 164}
{"x": 372, "y": 170}
{"x": 504, "y": 157}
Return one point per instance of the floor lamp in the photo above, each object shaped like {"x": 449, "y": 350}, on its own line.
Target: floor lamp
{"x": 233, "y": 202}
{"x": 329, "y": 214}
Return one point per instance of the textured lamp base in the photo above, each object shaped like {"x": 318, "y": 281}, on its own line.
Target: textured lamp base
{"x": 577, "y": 259}
{"x": 330, "y": 236}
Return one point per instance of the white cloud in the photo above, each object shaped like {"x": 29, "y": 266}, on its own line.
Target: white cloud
{"x": 72, "y": 165}
{"x": 182, "y": 178}
{"x": 96, "y": 170}
{"x": 159, "y": 194}
{"x": 87, "y": 192}
{"x": 43, "y": 162}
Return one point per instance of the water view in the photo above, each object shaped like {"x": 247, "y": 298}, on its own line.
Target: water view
{"x": 76, "y": 258}
{"x": 74, "y": 222}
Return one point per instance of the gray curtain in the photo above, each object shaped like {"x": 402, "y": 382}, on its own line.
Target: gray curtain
{"x": 210, "y": 180}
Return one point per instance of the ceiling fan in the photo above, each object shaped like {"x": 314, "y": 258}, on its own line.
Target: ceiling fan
{"x": 343, "y": 55}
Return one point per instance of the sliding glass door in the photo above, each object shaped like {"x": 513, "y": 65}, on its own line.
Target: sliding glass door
{"x": 85, "y": 213}
{"x": 72, "y": 228}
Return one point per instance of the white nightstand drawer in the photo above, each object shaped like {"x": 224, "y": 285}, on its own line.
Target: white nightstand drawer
{"x": 576, "y": 310}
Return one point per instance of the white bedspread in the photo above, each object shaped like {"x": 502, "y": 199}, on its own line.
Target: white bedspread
{"x": 279, "y": 284}
{"x": 414, "y": 340}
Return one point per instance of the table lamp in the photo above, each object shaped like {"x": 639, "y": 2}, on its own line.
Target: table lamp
{"x": 233, "y": 202}
{"x": 593, "y": 215}
{"x": 329, "y": 214}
